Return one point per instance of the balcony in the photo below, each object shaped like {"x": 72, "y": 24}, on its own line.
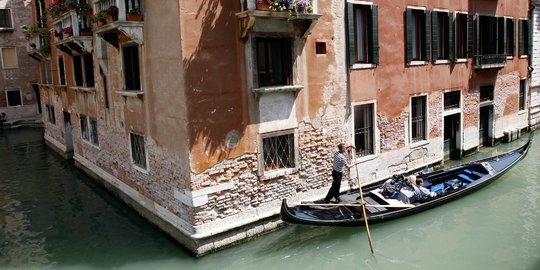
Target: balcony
{"x": 124, "y": 17}
{"x": 488, "y": 61}
{"x": 38, "y": 48}
{"x": 73, "y": 33}
{"x": 254, "y": 16}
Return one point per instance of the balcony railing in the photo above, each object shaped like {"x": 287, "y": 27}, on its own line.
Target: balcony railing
{"x": 125, "y": 16}
{"x": 252, "y": 5}
{"x": 488, "y": 61}
{"x": 71, "y": 24}
{"x": 38, "y": 48}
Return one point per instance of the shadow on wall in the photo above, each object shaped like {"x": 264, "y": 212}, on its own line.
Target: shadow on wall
{"x": 216, "y": 102}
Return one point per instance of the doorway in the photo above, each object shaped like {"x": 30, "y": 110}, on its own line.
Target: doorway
{"x": 452, "y": 136}
{"x": 68, "y": 132}
{"x": 485, "y": 126}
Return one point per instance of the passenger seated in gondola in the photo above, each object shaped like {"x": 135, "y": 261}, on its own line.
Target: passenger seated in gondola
{"x": 392, "y": 186}
{"x": 424, "y": 192}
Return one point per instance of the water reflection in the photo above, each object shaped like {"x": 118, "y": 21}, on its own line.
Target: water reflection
{"x": 54, "y": 217}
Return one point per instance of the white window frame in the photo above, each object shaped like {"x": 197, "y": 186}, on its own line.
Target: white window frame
{"x": 526, "y": 80}
{"x": 136, "y": 166}
{"x": 2, "y": 57}
{"x": 376, "y": 145}
{"x": 266, "y": 175}
{"x": 426, "y": 125}
{"x": 418, "y": 62}
{"x": 139, "y": 53}
{"x": 11, "y": 20}
{"x": 20, "y": 94}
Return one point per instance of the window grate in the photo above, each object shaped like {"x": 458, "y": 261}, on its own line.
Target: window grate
{"x": 278, "y": 152}
{"x": 5, "y": 18}
{"x": 363, "y": 129}
{"x": 418, "y": 119}
{"x": 452, "y": 100}
{"x": 84, "y": 128}
{"x": 138, "y": 151}
{"x": 93, "y": 132}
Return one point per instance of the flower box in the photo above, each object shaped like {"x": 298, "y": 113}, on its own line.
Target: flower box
{"x": 134, "y": 17}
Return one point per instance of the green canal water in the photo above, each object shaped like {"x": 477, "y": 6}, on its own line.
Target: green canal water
{"x": 54, "y": 217}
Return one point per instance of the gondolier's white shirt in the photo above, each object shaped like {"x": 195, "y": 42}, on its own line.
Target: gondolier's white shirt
{"x": 339, "y": 161}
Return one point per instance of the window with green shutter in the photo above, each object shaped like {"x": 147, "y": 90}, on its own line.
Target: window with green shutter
{"x": 417, "y": 35}
{"x": 363, "y": 36}
{"x": 441, "y": 36}
{"x": 524, "y": 37}
{"x": 461, "y": 38}
{"x": 510, "y": 37}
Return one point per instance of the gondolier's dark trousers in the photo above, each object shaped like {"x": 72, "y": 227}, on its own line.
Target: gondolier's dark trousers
{"x": 336, "y": 184}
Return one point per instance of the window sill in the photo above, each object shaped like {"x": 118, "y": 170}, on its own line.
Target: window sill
{"x": 419, "y": 144}
{"x": 417, "y": 63}
{"x": 520, "y": 112}
{"x": 84, "y": 89}
{"x": 6, "y": 29}
{"x": 278, "y": 173}
{"x": 461, "y": 60}
{"x": 509, "y": 57}
{"x": 441, "y": 62}
{"x": 277, "y": 89}
{"x": 91, "y": 144}
{"x": 130, "y": 93}
{"x": 485, "y": 103}
{"x": 451, "y": 111}
{"x": 142, "y": 170}
{"x": 47, "y": 85}
{"x": 523, "y": 57}
{"x": 363, "y": 66}
{"x": 366, "y": 158}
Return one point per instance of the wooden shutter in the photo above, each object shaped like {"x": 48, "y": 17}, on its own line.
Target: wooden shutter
{"x": 351, "y": 33}
{"x": 470, "y": 35}
{"x": 521, "y": 48}
{"x": 373, "y": 25}
{"x": 435, "y": 35}
{"x": 477, "y": 51}
{"x": 426, "y": 54}
{"x": 408, "y": 26}
{"x": 513, "y": 33}
{"x": 450, "y": 41}
{"x": 529, "y": 40}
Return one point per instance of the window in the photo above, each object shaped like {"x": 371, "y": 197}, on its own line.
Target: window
{"x": 50, "y": 114}
{"x": 486, "y": 31}
{"x": 138, "y": 152}
{"x": 486, "y": 93}
{"x": 84, "y": 128}
{"x": 93, "y": 131}
{"x": 83, "y": 70}
{"x": 417, "y": 24}
{"x": 363, "y": 33}
{"x": 442, "y": 46}
{"x": 452, "y": 100}
{"x": 363, "y": 129}
{"x": 510, "y": 37}
{"x": 524, "y": 37}
{"x": 274, "y": 61}
{"x": 132, "y": 80}
{"x": 9, "y": 58}
{"x": 418, "y": 118}
{"x": 278, "y": 152}
{"x": 46, "y": 72}
{"x": 14, "y": 98}
{"x": 522, "y": 94}
{"x": 5, "y": 18}
{"x": 320, "y": 47}
{"x": 61, "y": 71}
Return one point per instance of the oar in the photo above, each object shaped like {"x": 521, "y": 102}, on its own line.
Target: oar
{"x": 357, "y": 204}
{"x": 363, "y": 203}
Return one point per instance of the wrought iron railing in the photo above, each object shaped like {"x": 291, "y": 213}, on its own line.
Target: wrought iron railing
{"x": 78, "y": 24}
{"x": 251, "y": 5}
{"x": 489, "y": 61}
{"x": 124, "y": 7}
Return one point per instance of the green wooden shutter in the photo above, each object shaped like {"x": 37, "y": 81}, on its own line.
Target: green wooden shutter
{"x": 529, "y": 41}
{"x": 477, "y": 51}
{"x": 513, "y": 31}
{"x": 470, "y": 35}
{"x": 435, "y": 35}
{"x": 374, "y": 36}
{"x": 450, "y": 44}
{"x": 427, "y": 42}
{"x": 408, "y": 26}
{"x": 352, "y": 40}
{"x": 521, "y": 48}
{"x": 505, "y": 37}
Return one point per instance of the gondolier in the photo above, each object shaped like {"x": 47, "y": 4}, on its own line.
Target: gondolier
{"x": 339, "y": 162}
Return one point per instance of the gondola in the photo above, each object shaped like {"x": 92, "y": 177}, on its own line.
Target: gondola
{"x": 447, "y": 185}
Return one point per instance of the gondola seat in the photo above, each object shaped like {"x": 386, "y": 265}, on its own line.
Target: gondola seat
{"x": 466, "y": 178}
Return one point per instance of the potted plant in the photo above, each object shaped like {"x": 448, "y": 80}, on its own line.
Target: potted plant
{"x": 112, "y": 14}
{"x": 100, "y": 18}
{"x": 135, "y": 15}
{"x": 59, "y": 35}
{"x": 56, "y": 8}
{"x": 45, "y": 49}
{"x": 71, "y": 4}
{"x": 86, "y": 32}
{"x": 263, "y": 4}
{"x": 31, "y": 31}
{"x": 84, "y": 9}
{"x": 68, "y": 31}
{"x": 293, "y": 6}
